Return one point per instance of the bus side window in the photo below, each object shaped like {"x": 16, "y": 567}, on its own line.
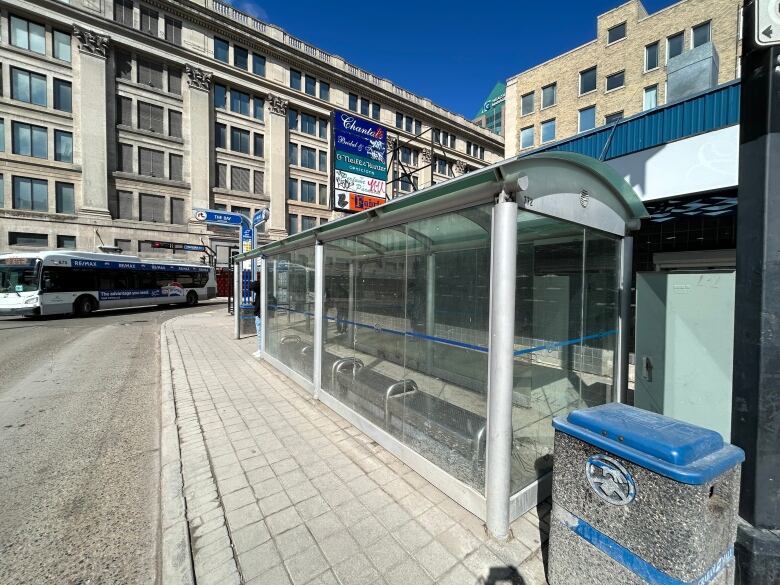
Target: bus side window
{"x": 50, "y": 281}
{"x": 146, "y": 279}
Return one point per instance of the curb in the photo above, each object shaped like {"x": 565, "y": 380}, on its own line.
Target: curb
{"x": 176, "y": 555}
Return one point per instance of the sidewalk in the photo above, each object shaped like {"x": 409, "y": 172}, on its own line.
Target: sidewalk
{"x": 278, "y": 489}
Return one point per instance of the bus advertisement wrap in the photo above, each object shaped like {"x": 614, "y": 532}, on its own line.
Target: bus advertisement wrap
{"x": 140, "y": 293}
{"x": 108, "y": 265}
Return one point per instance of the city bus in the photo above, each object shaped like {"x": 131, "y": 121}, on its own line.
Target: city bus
{"x": 58, "y": 282}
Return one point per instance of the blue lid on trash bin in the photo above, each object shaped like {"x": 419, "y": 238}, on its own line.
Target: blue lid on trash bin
{"x": 672, "y": 448}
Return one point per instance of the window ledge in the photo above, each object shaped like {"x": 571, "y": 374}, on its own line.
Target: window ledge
{"x": 148, "y": 179}
{"x": 48, "y": 163}
{"x": 243, "y": 194}
{"x": 606, "y": 91}
{"x": 30, "y": 214}
{"x": 305, "y": 205}
{"x": 620, "y": 40}
{"x": 36, "y": 108}
{"x": 528, "y": 114}
{"x": 149, "y": 88}
{"x": 67, "y": 67}
{"x": 251, "y": 121}
{"x": 150, "y": 134}
{"x": 249, "y": 158}
{"x": 587, "y": 93}
{"x": 653, "y": 69}
{"x": 306, "y": 135}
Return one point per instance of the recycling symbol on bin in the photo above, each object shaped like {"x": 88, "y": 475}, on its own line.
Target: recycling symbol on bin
{"x": 610, "y": 480}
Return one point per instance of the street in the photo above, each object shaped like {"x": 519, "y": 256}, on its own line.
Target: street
{"x": 79, "y": 434}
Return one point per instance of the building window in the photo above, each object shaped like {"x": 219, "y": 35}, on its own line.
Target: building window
{"x": 548, "y": 130}
{"x": 309, "y": 124}
{"x": 150, "y": 73}
{"x": 323, "y": 161}
{"x": 174, "y": 124}
{"x": 239, "y": 102}
{"x": 61, "y": 46}
{"x": 587, "y": 119}
{"x": 353, "y": 102}
{"x": 149, "y": 21}
{"x": 651, "y": 56}
{"x": 220, "y": 207}
{"x": 239, "y": 179}
{"x": 2, "y": 148}
{"x": 613, "y": 118}
{"x": 63, "y": 100}
{"x": 259, "y": 145}
{"x": 310, "y": 85}
{"x": 28, "y": 35}
{"x": 364, "y": 103}
{"x": 123, "y": 12}
{"x": 177, "y": 211}
{"x": 292, "y": 153}
{"x": 63, "y": 146}
{"x": 417, "y": 127}
{"x": 67, "y": 242}
{"x": 701, "y": 34}
{"x": 30, "y": 194}
{"x": 674, "y": 45}
{"x": 125, "y": 158}
{"x": 174, "y": 80}
{"x": 259, "y": 182}
{"x": 222, "y": 176}
{"x": 151, "y": 162}
{"x": 220, "y": 135}
{"x": 29, "y": 140}
{"x": 308, "y": 222}
{"x": 26, "y": 239}
{"x": 323, "y": 195}
{"x": 527, "y": 137}
{"x": 240, "y": 57}
{"x": 124, "y": 65}
{"x": 292, "y": 188}
{"x": 308, "y": 192}
{"x": 650, "y": 98}
{"x": 64, "y": 196}
{"x": 527, "y": 104}
{"x": 175, "y": 167}
{"x": 220, "y": 96}
{"x": 293, "y": 224}
{"x": 399, "y": 120}
{"x": 258, "y": 64}
{"x": 549, "y": 95}
{"x": 150, "y": 117}
{"x": 616, "y": 33}
{"x": 239, "y": 140}
{"x": 292, "y": 119}
{"x": 409, "y": 123}
{"x": 295, "y": 79}
{"x": 173, "y": 30}
{"x": 28, "y": 87}
{"x": 308, "y": 157}
{"x": 152, "y": 208}
{"x": 325, "y": 91}
{"x": 221, "y": 50}
{"x": 587, "y": 80}
{"x": 376, "y": 110}
{"x": 124, "y": 245}
{"x": 257, "y": 104}
{"x": 323, "y": 128}
{"x": 616, "y": 80}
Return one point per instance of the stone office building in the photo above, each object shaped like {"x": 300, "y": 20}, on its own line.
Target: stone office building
{"x": 119, "y": 117}
{"x": 637, "y": 61}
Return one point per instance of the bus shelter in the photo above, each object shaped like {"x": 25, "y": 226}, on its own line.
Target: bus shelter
{"x": 453, "y": 324}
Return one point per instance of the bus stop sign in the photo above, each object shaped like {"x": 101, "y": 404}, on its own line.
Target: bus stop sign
{"x": 768, "y": 22}
{"x": 218, "y": 217}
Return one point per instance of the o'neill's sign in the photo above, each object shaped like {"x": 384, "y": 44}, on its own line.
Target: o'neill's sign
{"x": 360, "y": 156}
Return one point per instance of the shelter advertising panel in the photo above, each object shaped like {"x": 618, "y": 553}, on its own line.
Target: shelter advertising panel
{"x": 360, "y": 175}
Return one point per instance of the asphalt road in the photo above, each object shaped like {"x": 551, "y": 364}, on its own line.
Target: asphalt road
{"x": 79, "y": 447}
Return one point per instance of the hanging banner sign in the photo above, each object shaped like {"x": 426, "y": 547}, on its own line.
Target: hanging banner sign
{"x": 360, "y": 157}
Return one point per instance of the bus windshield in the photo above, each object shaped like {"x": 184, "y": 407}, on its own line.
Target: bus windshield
{"x": 19, "y": 274}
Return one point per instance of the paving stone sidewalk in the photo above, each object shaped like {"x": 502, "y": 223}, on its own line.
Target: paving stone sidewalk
{"x": 279, "y": 489}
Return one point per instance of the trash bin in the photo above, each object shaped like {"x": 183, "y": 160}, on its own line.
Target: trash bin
{"x": 641, "y": 498}
{"x": 247, "y": 319}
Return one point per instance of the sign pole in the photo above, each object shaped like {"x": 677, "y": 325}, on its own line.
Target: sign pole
{"x": 756, "y": 386}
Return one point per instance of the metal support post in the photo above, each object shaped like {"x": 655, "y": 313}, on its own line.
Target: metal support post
{"x": 263, "y": 304}
{"x": 351, "y": 305}
{"x": 756, "y": 388}
{"x": 501, "y": 362}
{"x": 624, "y": 319}
{"x": 319, "y": 315}
{"x": 237, "y": 299}
{"x": 430, "y": 310}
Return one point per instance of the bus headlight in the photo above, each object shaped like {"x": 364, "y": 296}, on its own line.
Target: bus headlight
{"x": 31, "y": 301}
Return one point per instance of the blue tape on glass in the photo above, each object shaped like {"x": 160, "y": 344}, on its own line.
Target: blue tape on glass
{"x": 632, "y": 561}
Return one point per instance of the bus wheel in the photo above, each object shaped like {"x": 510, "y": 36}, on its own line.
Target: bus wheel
{"x": 84, "y": 305}
{"x": 192, "y": 298}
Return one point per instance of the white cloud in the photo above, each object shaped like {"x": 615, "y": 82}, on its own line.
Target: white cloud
{"x": 250, "y": 7}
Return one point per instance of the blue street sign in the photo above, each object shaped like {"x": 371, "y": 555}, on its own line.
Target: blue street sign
{"x": 260, "y": 216}
{"x": 247, "y": 238}
{"x": 219, "y": 217}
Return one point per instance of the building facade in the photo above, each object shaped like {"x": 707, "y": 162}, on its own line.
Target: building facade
{"x": 119, "y": 117}
{"x": 491, "y": 114}
{"x": 625, "y": 70}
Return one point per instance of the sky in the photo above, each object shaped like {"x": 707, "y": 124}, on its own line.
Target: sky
{"x": 450, "y": 52}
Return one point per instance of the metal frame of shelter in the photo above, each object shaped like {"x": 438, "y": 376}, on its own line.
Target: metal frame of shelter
{"x": 565, "y": 186}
